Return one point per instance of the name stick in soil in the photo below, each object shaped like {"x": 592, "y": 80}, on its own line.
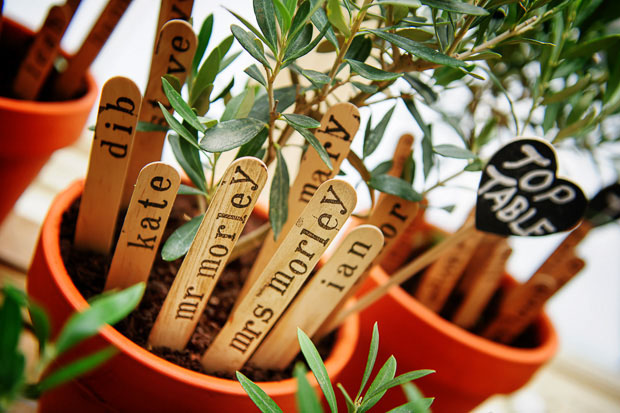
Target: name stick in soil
{"x": 145, "y": 221}
{"x": 319, "y": 297}
{"x": 36, "y": 66}
{"x": 173, "y": 55}
{"x": 217, "y": 235}
{"x": 282, "y": 277}
{"x": 483, "y": 279}
{"x": 68, "y": 82}
{"x": 338, "y": 128}
{"x": 173, "y": 9}
{"x": 107, "y": 168}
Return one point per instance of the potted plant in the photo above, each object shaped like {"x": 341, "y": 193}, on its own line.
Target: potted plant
{"x": 385, "y": 50}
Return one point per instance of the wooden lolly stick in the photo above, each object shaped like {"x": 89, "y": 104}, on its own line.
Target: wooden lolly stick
{"x": 281, "y": 278}
{"x": 150, "y": 206}
{"x": 69, "y": 82}
{"x": 173, "y": 9}
{"x": 338, "y": 128}
{"x": 327, "y": 288}
{"x": 402, "y": 275}
{"x": 442, "y": 276}
{"x": 483, "y": 284}
{"x": 215, "y": 239}
{"x": 524, "y": 303}
{"x": 173, "y": 55}
{"x": 35, "y": 67}
{"x": 107, "y": 167}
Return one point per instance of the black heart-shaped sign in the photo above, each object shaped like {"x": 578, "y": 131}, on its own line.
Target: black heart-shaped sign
{"x": 605, "y": 206}
{"x": 520, "y": 194}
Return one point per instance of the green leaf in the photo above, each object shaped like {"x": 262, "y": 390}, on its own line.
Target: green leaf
{"x": 321, "y": 22}
{"x": 418, "y": 49}
{"x": 417, "y": 35}
{"x": 318, "y": 79}
{"x": 318, "y": 368}
{"x": 567, "y": 92}
{"x": 474, "y": 166}
{"x": 336, "y": 17}
{"x": 249, "y": 44}
{"x": 372, "y": 357}
{"x": 452, "y": 151}
{"x": 283, "y": 15}
{"x": 292, "y": 54}
{"x": 455, "y": 6}
{"x": 182, "y": 108}
{"x": 589, "y": 47}
{"x": 422, "y": 88}
{"x": 411, "y": 391}
{"x": 179, "y": 241}
{"x": 299, "y": 43}
{"x": 150, "y": 127}
{"x": 256, "y": 74}
{"x": 385, "y": 374}
{"x": 174, "y": 82}
{"x": 223, "y": 93}
{"x": 190, "y": 190}
{"x": 314, "y": 142}
{"x": 258, "y": 396}
{"x": 40, "y": 324}
{"x": 11, "y": 326}
{"x": 370, "y": 72}
{"x": 189, "y": 159}
{"x": 403, "y": 378}
{"x": 408, "y": 174}
{"x": 300, "y": 20}
{"x": 285, "y": 97}
{"x": 203, "y": 41}
{"x": 350, "y": 405}
{"x": 209, "y": 69}
{"x": 394, "y": 186}
{"x": 305, "y": 396}
{"x": 405, "y": 3}
{"x": 230, "y": 134}
{"x": 485, "y": 134}
{"x": 427, "y": 153}
{"x": 382, "y": 168}
{"x": 75, "y": 369}
{"x": 365, "y": 88}
{"x": 484, "y": 56}
{"x": 278, "y": 195}
{"x": 360, "y": 49}
{"x": 249, "y": 26}
{"x": 410, "y": 104}
{"x": 239, "y": 106}
{"x": 417, "y": 406}
{"x": 301, "y": 121}
{"x": 374, "y": 137}
{"x": 201, "y": 100}
{"x": 253, "y": 147}
{"x": 266, "y": 18}
{"x": 105, "y": 309}
{"x": 178, "y": 127}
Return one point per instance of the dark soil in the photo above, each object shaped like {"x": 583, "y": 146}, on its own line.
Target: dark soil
{"x": 88, "y": 271}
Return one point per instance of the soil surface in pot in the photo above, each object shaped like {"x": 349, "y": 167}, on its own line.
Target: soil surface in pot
{"x": 88, "y": 269}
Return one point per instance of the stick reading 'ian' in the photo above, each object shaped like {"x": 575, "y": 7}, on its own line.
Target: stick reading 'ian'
{"x": 219, "y": 230}
{"x": 67, "y": 84}
{"x": 107, "y": 167}
{"x": 145, "y": 221}
{"x": 175, "y": 49}
{"x": 324, "y": 292}
{"x": 281, "y": 278}
{"x": 338, "y": 128}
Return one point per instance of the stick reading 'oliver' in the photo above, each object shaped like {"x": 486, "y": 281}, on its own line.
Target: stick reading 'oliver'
{"x": 107, "y": 168}
{"x": 281, "y": 278}
{"x": 324, "y": 292}
{"x": 173, "y": 9}
{"x": 219, "y": 230}
{"x": 145, "y": 221}
{"x": 173, "y": 55}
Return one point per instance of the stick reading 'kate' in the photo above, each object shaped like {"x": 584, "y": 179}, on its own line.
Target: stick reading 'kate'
{"x": 143, "y": 228}
{"x": 282, "y": 277}
{"x": 107, "y": 167}
{"x": 518, "y": 194}
{"x": 219, "y": 230}
{"x": 324, "y": 292}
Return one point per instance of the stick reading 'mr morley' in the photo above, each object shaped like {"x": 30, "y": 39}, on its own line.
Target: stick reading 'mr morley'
{"x": 219, "y": 230}
{"x": 282, "y": 278}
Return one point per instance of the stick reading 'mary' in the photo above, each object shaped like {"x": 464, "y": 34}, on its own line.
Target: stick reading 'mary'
{"x": 281, "y": 278}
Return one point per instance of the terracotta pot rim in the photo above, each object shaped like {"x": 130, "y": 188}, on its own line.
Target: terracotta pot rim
{"x": 473, "y": 342}
{"x": 50, "y": 233}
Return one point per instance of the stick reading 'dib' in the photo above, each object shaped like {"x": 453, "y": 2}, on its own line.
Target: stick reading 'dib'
{"x": 338, "y": 128}
{"x": 107, "y": 167}
{"x": 145, "y": 221}
{"x": 281, "y": 278}
{"x": 219, "y": 230}
{"x": 173, "y": 55}
{"x": 324, "y": 292}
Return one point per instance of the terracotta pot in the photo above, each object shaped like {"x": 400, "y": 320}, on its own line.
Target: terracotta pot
{"x": 30, "y": 131}
{"x": 135, "y": 379}
{"x": 469, "y": 368}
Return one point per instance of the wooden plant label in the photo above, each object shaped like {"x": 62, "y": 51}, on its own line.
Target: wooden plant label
{"x": 324, "y": 292}
{"x": 173, "y": 55}
{"x": 281, "y": 279}
{"x": 338, "y": 128}
{"x": 109, "y": 155}
{"x": 484, "y": 282}
{"x": 519, "y": 193}
{"x": 69, "y": 82}
{"x": 143, "y": 228}
{"x": 37, "y": 64}
{"x": 218, "y": 233}
{"x": 173, "y": 9}
{"x": 523, "y": 304}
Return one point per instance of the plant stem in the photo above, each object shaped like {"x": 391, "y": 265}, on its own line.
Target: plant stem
{"x": 443, "y": 182}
